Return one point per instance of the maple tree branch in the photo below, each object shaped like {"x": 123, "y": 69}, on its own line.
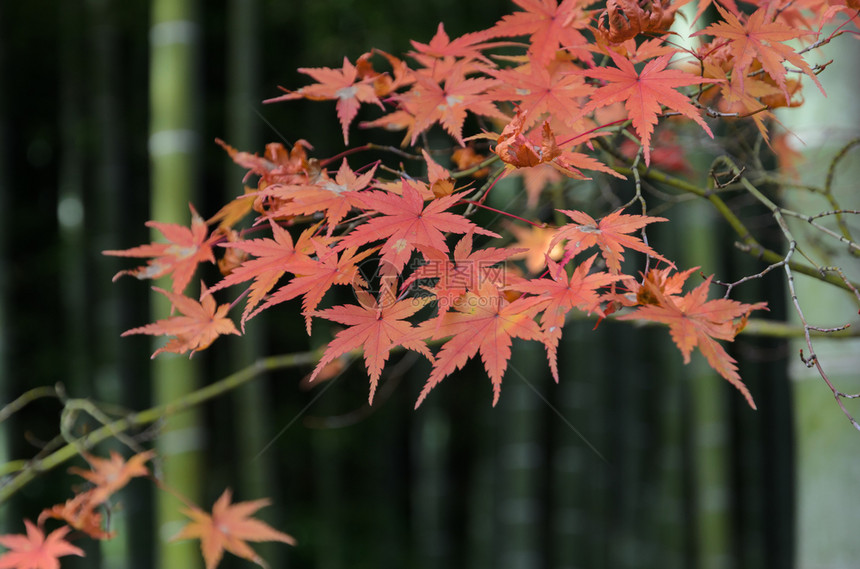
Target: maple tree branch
{"x": 812, "y": 360}
{"x": 854, "y": 247}
{"x": 787, "y": 331}
{"x": 25, "y": 399}
{"x": 748, "y": 243}
{"x": 476, "y": 168}
{"x": 371, "y": 146}
{"x": 151, "y": 415}
{"x": 828, "y": 185}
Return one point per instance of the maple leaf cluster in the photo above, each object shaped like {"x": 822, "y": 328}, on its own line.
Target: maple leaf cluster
{"x": 541, "y": 93}
{"x": 408, "y": 244}
{"x": 226, "y": 529}
{"x": 468, "y": 301}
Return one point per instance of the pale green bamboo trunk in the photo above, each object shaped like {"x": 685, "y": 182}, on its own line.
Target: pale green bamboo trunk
{"x": 173, "y": 148}
{"x": 828, "y": 451}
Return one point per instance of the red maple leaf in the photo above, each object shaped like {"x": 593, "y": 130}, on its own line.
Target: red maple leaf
{"x": 550, "y": 26}
{"x": 695, "y": 321}
{"x": 467, "y": 46}
{"x": 521, "y": 150}
{"x": 34, "y": 550}
{"x": 80, "y": 513}
{"x": 561, "y": 294}
{"x": 609, "y": 234}
{"x": 343, "y": 84}
{"x": 538, "y": 90}
{"x": 185, "y": 248}
{"x": 704, "y": 4}
{"x": 467, "y": 270}
{"x": 447, "y": 103}
{"x": 200, "y": 323}
{"x": 760, "y": 39}
{"x": 263, "y": 165}
{"x": 228, "y": 529}
{"x": 323, "y": 273}
{"x": 335, "y": 197}
{"x": 274, "y": 257}
{"x": 406, "y": 223}
{"x": 375, "y": 326}
{"x": 277, "y": 165}
{"x": 482, "y": 321}
{"x": 645, "y": 93}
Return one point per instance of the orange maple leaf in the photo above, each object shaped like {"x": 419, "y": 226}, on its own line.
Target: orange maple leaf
{"x": 335, "y": 197}
{"x": 609, "y": 234}
{"x": 535, "y": 241}
{"x": 385, "y": 83}
{"x": 277, "y": 165}
{"x": 447, "y": 103}
{"x": 550, "y": 26}
{"x": 438, "y": 177}
{"x": 251, "y": 162}
{"x": 561, "y": 294}
{"x": 644, "y": 93}
{"x": 695, "y": 321}
{"x": 228, "y": 529}
{"x": 200, "y": 324}
{"x": 467, "y": 46}
{"x": 80, "y": 513}
{"x": 185, "y": 248}
{"x": 538, "y": 90}
{"x": 482, "y": 321}
{"x": 375, "y": 326}
{"x": 34, "y": 550}
{"x": 323, "y": 273}
{"x": 406, "y": 223}
{"x": 624, "y": 20}
{"x": 704, "y": 4}
{"x": 519, "y": 150}
{"x": 343, "y": 84}
{"x": 111, "y": 474}
{"x": 235, "y": 210}
{"x": 273, "y": 258}
{"x": 762, "y": 40}
{"x": 467, "y": 270}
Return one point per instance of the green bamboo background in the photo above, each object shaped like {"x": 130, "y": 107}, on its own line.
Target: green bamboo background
{"x": 108, "y": 112}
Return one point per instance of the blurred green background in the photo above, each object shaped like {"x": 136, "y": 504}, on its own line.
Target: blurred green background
{"x": 632, "y": 461}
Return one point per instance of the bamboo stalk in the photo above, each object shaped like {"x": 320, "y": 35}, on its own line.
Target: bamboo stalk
{"x": 173, "y": 149}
